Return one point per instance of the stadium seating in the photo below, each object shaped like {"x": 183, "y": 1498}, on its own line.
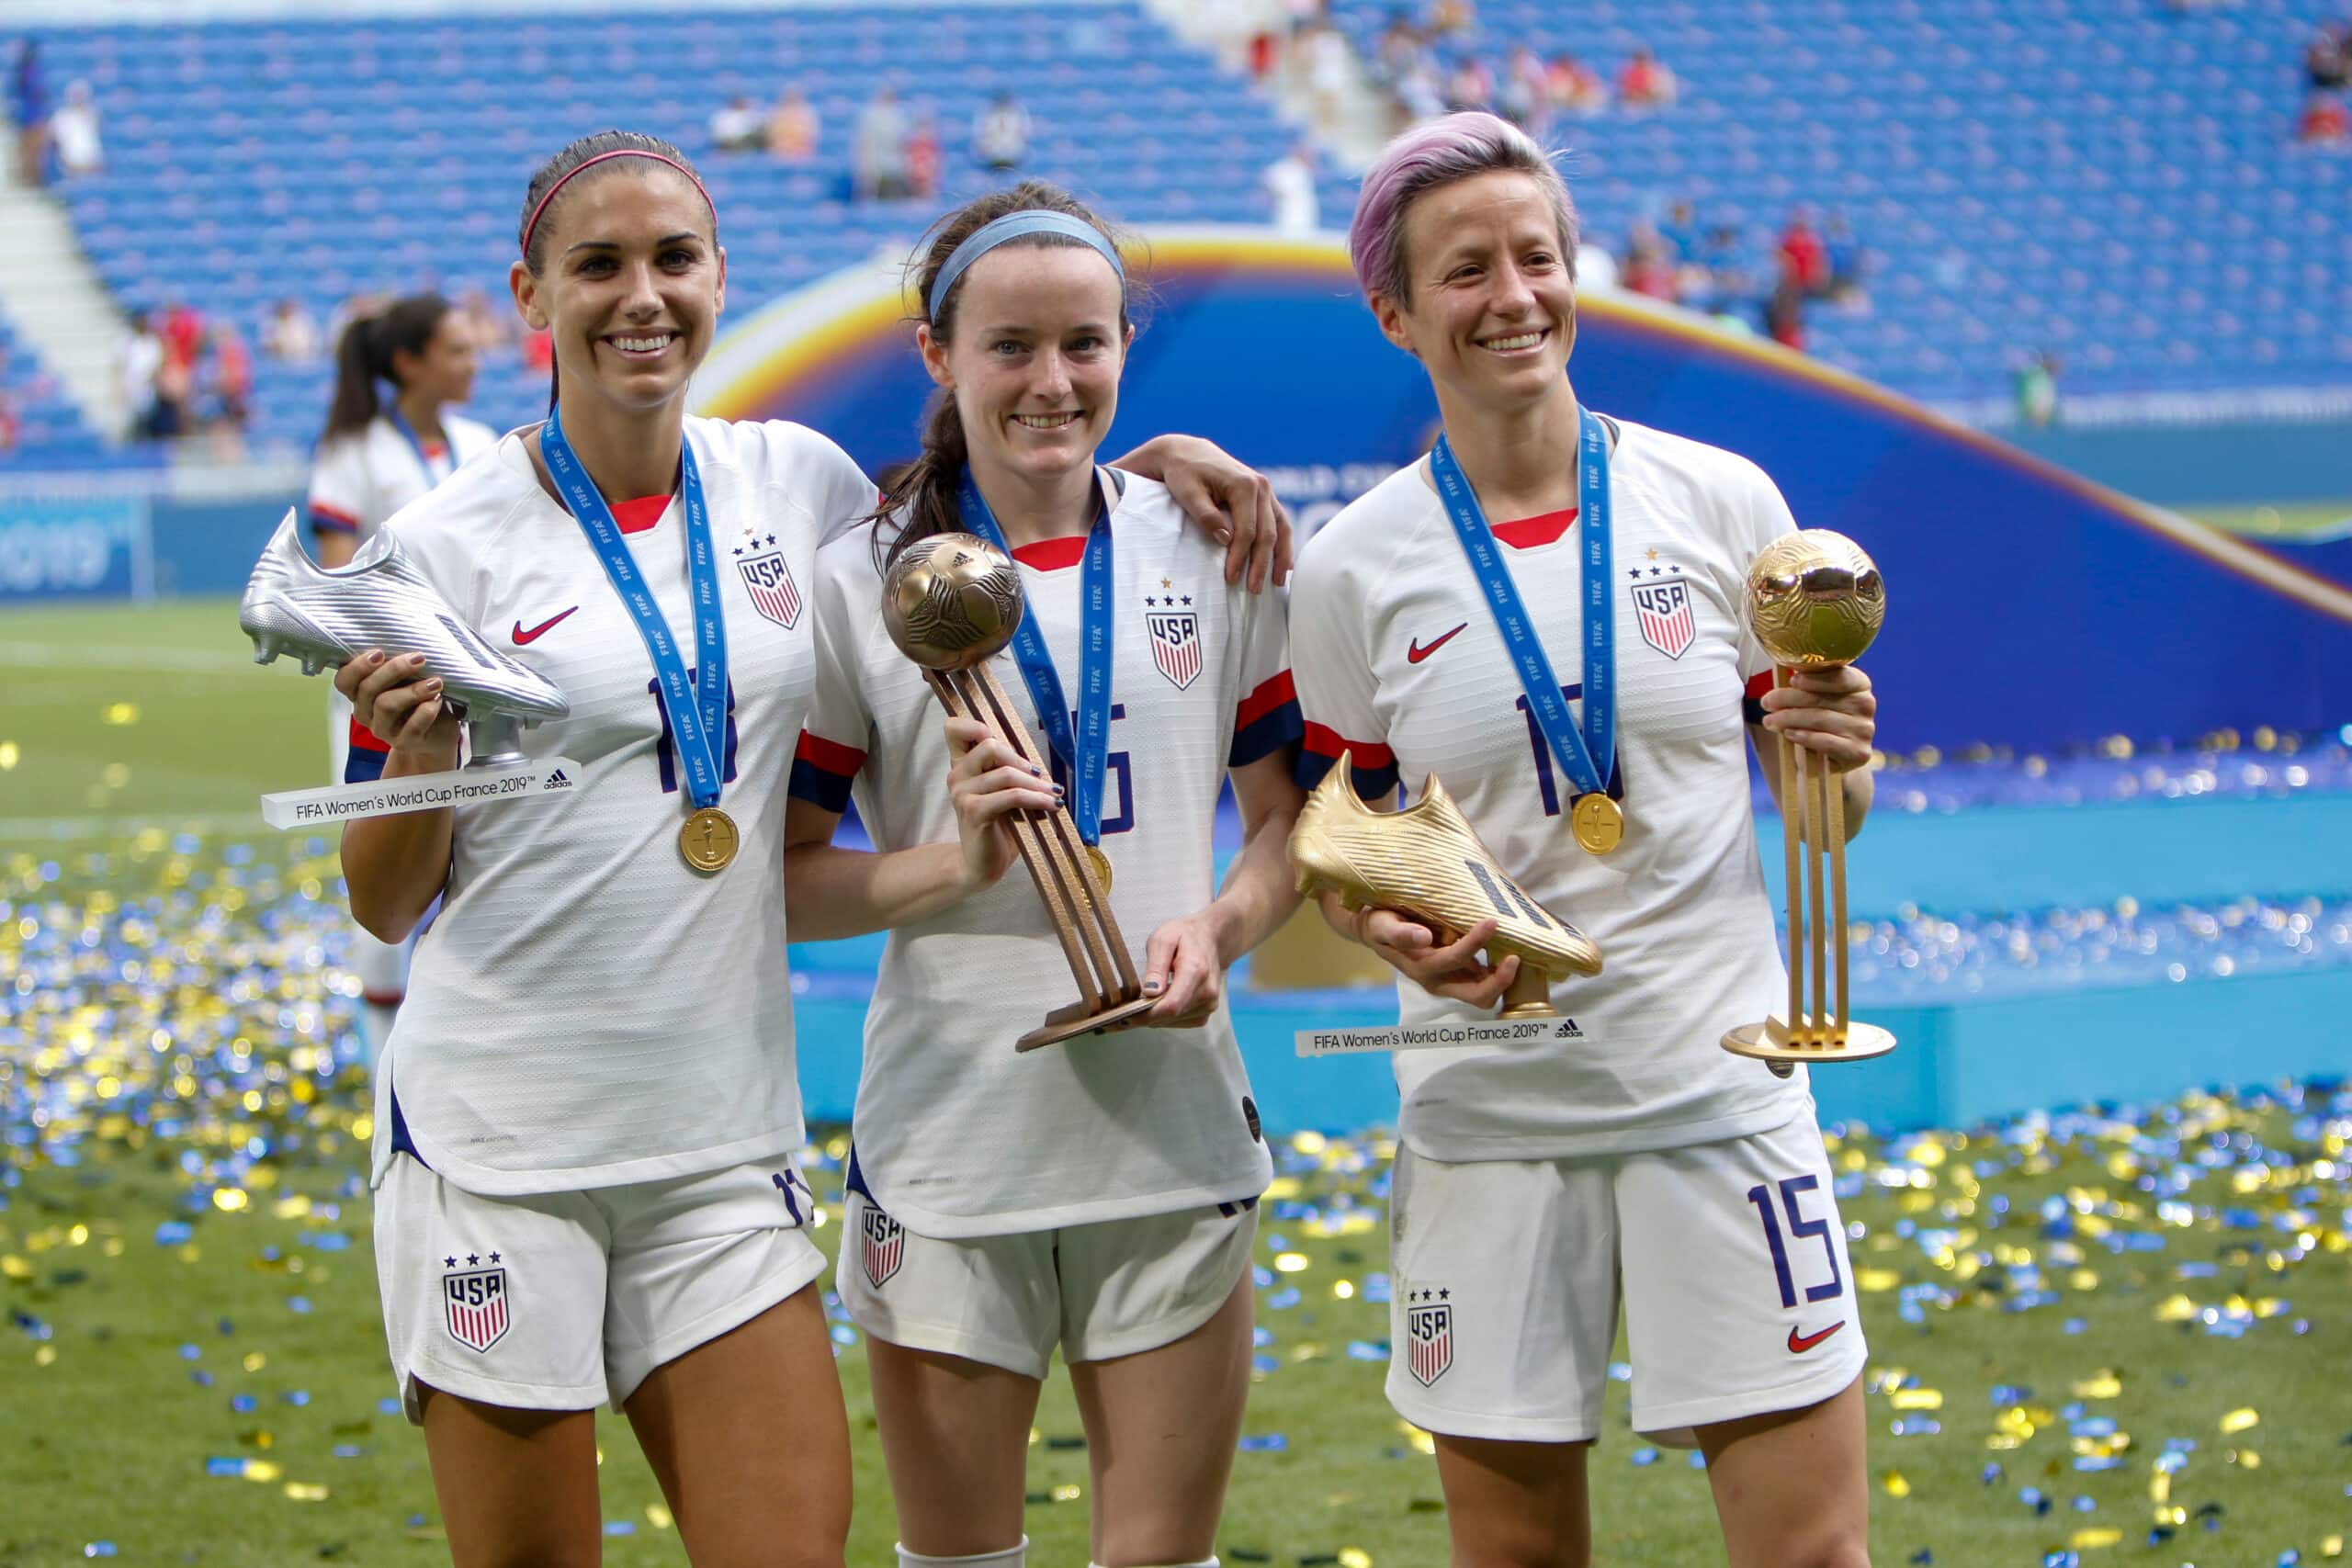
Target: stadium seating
{"x": 251, "y": 162}
{"x": 2116, "y": 183}
{"x": 50, "y": 431}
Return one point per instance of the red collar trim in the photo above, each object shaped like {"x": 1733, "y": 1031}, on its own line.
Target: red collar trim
{"x": 1052, "y": 555}
{"x": 637, "y": 516}
{"x": 1528, "y": 532}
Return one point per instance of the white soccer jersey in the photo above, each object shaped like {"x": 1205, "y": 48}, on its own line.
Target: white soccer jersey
{"x": 1400, "y": 661}
{"x": 588, "y": 1010}
{"x": 956, "y": 1134}
{"x": 358, "y": 481}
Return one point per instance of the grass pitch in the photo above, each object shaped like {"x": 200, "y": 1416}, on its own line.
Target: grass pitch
{"x": 2119, "y": 1339}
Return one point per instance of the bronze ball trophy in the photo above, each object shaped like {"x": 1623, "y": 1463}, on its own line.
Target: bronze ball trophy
{"x": 950, "y": 601}
{"x": 1816, "y": 602}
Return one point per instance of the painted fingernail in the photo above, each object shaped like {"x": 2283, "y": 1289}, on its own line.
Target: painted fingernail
{"x": 1151, "y": 988}
{"x": 1037, "y": 772}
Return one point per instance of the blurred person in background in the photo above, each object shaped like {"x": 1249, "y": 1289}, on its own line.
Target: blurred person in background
{"x": 376, "y": 454}
{"x": 1525, "y": 97}
{"x": 2037, "y": 389}
{"x": 1470, "y": 85}
{"x": 74, "y": 134}
{"x": 1649, "y": 262}
{"x": 922, "y": 157}
{"x": 228, "y": 388}
{"x": 491, "y": 329}
{"x": 792, "y": 128}
{"x": 878, "y": 156}
{"x": 140, "y": 359}
{"x": 1845, "y": 258}
{"x": 291, "y": 337}
{"x": 2325, "y": 121}
{"x": 1576, "y": 88}
{"x": 1290, "y": 187}
{"x": 1805, "y": 256}
{"x": 1646, "y": 83}
{"x": 2327, "y": 58}
{"x": 1001, "y": 134}
{"x": 736, "y": 128}
{"x": 28, "y": 103}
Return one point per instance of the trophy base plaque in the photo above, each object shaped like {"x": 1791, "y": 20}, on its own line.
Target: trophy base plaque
{"x": 1077, "y": 1018}
{"x": 1771, "y": 1042}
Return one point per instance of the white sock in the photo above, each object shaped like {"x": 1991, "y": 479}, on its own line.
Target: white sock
{"x": 1011, "y": 1557}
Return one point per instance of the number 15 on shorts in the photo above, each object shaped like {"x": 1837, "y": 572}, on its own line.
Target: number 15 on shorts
{"x": 1769, "y": 1209}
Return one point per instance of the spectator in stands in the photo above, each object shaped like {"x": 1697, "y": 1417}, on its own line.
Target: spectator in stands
{"x": 1001, "y": 134}
{"x": 1784, "y": 312}
{"x": 2037, "y": 386}
{"x": 737, "y": 127}
{"x": 291, "y": 337}
{"x": 1470, "y": 85}
{"x": 10, "y": 421}
{"x": 2326, "y": 121}
{"x": 1729, "y": 269}
{"x": 28, "y": 96}
{"x": 183, "y": 332}
{"x": 792, "y": 128}
{"x": 1326, "y": 63}
{"x": 1524, "y": 96}
{"x": 2327, "y": 58}
{"x": 1681, "y": 230}
{"x": 1845, "y": 259}
{"x": 1452, "y": 17}
{"x": 74, "y": 134}
{"x": 1649, "y": 265}
{"x": 1576, "y": 88}
{"x": 879, "y": 156}
{"x": 1646, "y": 83}
{"x": 1399, "y": 49}
{"x": 1805, "y": 256}
{"x": 141, "y": 361}
{"x": 488, "y": 328}
{"x": 922, "y": 157}
{"x": 1420, "y": 91}
{"x": 1290, "y": 185}
{"x": 228, "y": 388}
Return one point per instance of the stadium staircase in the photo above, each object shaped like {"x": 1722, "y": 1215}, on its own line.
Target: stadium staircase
{"x": 61, "y": 334}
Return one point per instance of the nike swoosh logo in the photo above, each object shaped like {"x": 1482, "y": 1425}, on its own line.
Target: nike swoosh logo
{"x": 1800, "y": 1343}
{"x": 523, "y": 638}
{"x": 1416, "y": 652}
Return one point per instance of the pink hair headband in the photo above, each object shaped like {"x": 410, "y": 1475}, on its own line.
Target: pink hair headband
{"x": 608, "y": 157}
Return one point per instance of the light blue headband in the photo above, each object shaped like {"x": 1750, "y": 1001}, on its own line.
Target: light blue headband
{"x": 1014, "y": 225}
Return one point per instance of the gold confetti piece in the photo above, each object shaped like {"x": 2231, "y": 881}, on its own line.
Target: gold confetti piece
{"x": 2083, "y": 1279}
{"x": 2001, "y": 1442}
{"x": 1290, "y": 1263}
{"x": 2245, "y": 1459}
{"x": 290, "y": 1208}
{"x": 1877, "y": 1279}
{"x": 115, "y": 775}
{"x": 600, "y": 1456}
{"x": 306, "y": 1492}
{"x": 2333, "y": 1546}
{"x": 255, "y": 1361}
{"x": 1067, "y": 1491}
{"x": 45, "y": 1356}
{"x": 119, "y": 714}
{"x": 2106, "y": 1385}
{"x": 263, "y": 1470}
{"x": 2175, "y": 1516}
{"x": 1918, "y": 1399}
{"x": 2175, "y": 1309}
{"x": 1343, "y": 1290}
{"x": 1894, "y": 1483}
{"x": 2094, "y": 1537}
{"x": 1354, "y": 1557}
{"x": 229, "y": 1200}
{"x": 1035, "y": 1437}
{"x": 16, "y": 1267}
{"x": 659, "y": 1517}
{"x": 2239, "y": 1420}
{"x": 9, "y": 756}
{"x": 1307, "y": 1142}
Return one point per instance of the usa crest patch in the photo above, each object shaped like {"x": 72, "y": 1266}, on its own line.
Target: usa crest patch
{"x": 1429, "y": 1338}
{"x": 769, "y": 580}
{"x": 474, "y": 1304}
{"x": 882, "y": 1245}
{"x": 1663, "y": 611}
{"x": 1176, "y": 644}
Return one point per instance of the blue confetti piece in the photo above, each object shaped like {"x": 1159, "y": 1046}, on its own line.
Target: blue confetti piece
{"x": 1284, "y": 1299}
{"x": 201, "y": 1380}
{"x": 1377, "y": 1288}
{"x": 843, "y": 1334}
{"x": 1645, "y": 1458}
{"x": 1276, "y": 1242}
{"x": 1367, "y": 1349}
{"x": 1989, "y": 1474}
{"x": 2093, "y": 1426}
{"x": 1265, "y": 1364}
{"x": 348, "y": 1451}
{"x": 172, "y": 1232}
{"x": 191, "y": 1353}
{"x": 416, "y": 1521}
{"x": 1272, "y": 1443}
{"x": 1620, "y": 1371}
{"x": 620, "y": 1527}
{"x": 296, "y": 1396}
{"x": 1260, "y": 1276}
{"x": 388, "y": 1407}
{"x": 243, "y": 1403}
{"x": 217, "y": 1465}
{"x": 99, "y": 1548}
{"x": 2098, "y": 1461}
{"x": 1917, "y": 1426}
{"x": 2075, "y": 1325}
{"x": 297, "y": 1306}
{"x": 1698, "y": 1460}
{"x": 1261, "y": 1337}
{"x": 2086, "y": 1504}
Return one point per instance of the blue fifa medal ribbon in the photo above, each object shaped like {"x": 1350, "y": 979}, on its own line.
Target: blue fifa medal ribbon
{"x": 1086, "y": 754}
{"x": 697, "y": 709}
{"x": 1588, "y": 758}
{"x": 400, "y": 423}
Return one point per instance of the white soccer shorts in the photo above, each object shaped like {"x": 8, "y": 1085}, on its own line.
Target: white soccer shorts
{"x": 1729, "y": 1256}
{"x": 1116, "y": 1287}
{"x": 563, "y": 1301}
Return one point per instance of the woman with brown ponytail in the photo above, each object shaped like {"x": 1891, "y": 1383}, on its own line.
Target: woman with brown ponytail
{"x": 376, "y": 455}
{"x": 1097, "y": 1196}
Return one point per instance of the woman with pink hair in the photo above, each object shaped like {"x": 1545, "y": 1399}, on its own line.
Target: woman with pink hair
{"x": 1627, "y": 1160}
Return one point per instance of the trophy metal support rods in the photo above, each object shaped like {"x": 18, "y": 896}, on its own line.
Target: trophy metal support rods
{"x": 1110, "y": 991}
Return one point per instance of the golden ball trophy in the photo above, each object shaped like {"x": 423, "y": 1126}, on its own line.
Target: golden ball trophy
{"x": 1816, "y": 602}
{"x": 1428, "y": 862}
{"x": 950, "y": 601}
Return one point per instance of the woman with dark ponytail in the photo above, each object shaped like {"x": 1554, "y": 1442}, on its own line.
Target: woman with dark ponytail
{"x": 1098, "y": 1196}
{"x": 390, "y": 438}
{"x": 586, "y": 1187}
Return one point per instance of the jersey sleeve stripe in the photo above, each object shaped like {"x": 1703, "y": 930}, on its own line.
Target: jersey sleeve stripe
{"x": 364, "y": 761}
{"x": 1373, "y": 764}
{"x": 822, "y": 771}
{"x": 1267, "y": 720}
{"x": 325, "y": 519}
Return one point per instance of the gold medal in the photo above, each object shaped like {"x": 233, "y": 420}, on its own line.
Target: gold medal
{"x": 1101, "y": 865}
{"x": 1598, "y": 823}
{"x": 710, "y": 839}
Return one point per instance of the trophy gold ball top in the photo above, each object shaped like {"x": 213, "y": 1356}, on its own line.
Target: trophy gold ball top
{"x": 1814, "y": 598}
{"x": 950, "y": 600}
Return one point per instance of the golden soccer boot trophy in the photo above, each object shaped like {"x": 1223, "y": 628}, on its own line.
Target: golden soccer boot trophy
{"x": 1426, "y": 862}
{"x": 1816, "y": 602}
